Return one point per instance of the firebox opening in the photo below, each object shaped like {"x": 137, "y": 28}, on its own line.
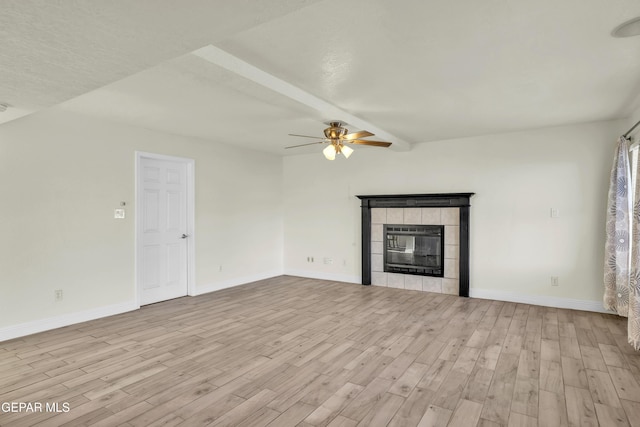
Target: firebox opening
{"x": 414, "y": 249}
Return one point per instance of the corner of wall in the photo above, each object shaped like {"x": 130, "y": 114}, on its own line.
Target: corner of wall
{"x": 335, "y": 277}
{"x": 236, "y": 281}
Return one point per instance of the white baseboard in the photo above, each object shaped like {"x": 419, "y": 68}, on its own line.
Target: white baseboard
{"x": 547, "y": 301}
{"x": 41, "y": 325}
{"x": 205, "y": 289}
{"x": 33, "y": 327}
{"x": 324, "y": 276}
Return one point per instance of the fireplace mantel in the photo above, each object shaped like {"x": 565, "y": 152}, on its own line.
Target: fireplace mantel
{"x": 442, "y": 200}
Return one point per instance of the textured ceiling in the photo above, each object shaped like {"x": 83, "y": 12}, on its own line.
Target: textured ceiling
{"x": 52, "y": 51}
{"x": 421, "y": 70}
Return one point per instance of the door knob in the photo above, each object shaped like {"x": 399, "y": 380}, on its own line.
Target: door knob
{"x": 184, "y": 236}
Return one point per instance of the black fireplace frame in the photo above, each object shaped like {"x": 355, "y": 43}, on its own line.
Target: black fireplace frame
{"x": 442, "y": 200}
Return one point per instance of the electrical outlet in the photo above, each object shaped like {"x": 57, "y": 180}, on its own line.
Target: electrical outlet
{"x": 554, "y": 280}
{"x": 58, "y": 294}
{"x": 555, "y": 213}
{"x": 118, "y": 213}
{"x": 328, "y": 260}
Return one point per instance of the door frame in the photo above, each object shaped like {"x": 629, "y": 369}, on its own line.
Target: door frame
{"x": 191, "y": 247}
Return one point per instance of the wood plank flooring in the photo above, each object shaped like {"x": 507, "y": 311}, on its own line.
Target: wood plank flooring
{"x": 290, "y": 351}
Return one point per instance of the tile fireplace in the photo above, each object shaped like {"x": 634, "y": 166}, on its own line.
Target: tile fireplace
{"x": 416, "y": 241}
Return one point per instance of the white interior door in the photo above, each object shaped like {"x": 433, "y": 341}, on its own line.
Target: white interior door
{"x": 162, "y": 230}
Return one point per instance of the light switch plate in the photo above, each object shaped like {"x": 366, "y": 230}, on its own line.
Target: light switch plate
{"x": 118, "y": 213}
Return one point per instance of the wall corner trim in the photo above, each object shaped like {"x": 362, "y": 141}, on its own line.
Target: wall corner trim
{"x": 41, "y": 325}
{"x": 230, "y": 283}
{"x": 334, "y": 277}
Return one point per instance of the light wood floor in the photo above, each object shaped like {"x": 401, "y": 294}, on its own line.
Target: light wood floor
{"x": 301, "y": 352}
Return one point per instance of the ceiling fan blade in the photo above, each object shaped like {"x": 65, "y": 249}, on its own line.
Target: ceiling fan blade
{"x": 303, "y": 145}
{"x": 356, "y": 135}
{"x": 373, "y": 143}
{"x": 305, "y": 136}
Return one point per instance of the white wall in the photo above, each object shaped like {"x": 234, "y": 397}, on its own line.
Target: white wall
{"x": 633, "y": 119}
{"x": 515, "y": 246}
{"x": 61, "y": 176}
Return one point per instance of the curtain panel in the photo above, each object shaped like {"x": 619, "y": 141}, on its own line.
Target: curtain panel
{"x": 622, "y": 247}
{"x": 633, "y": 326}
{"x": 618, "y": 244}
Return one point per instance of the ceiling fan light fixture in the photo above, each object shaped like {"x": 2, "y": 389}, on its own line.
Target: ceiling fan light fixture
{"x": 336, "y": 135}
{"x": 346, "y": 151}
{"x": 330, "y": 152}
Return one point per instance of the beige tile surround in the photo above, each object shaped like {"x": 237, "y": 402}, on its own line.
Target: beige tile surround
{"x": 449, "y": 217}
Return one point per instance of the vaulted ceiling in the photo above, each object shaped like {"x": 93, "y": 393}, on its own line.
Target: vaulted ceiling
{"x": 416, "y": 71}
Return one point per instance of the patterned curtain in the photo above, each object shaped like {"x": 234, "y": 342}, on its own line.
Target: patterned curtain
{"x": 616, "y": 259}
{"x": 633, "y": 327}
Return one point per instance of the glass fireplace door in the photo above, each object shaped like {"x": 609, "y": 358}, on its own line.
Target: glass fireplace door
{"x": 414, "y": 249}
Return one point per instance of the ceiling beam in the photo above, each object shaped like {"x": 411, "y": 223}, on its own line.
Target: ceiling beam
{"x": 236, "y": 65}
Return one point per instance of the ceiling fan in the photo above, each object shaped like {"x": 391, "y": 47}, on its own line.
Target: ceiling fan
{"x": 337, "y": 136}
